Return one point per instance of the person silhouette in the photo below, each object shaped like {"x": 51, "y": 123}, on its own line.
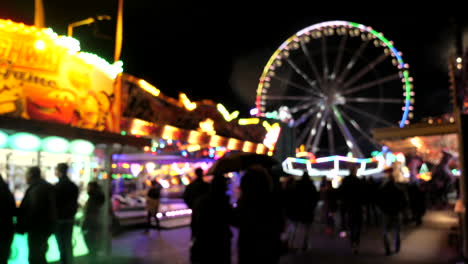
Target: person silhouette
{"x": 37, "y": 215}
{"x": 92, "y": 222}
{"x": 8, "y": 209}
{"x": 67, "y": 204}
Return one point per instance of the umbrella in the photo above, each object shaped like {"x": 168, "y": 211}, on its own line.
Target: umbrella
{"x": 241, "y": 161}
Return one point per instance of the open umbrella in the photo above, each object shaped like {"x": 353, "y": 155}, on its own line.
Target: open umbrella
{"x": 240, "y": 161}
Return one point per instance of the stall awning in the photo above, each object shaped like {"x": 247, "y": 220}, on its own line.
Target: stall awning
{"x": 46, "y": 128}
{"x": 415, "y": 130}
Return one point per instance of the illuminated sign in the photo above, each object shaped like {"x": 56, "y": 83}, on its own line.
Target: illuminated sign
{"x": 207, "y": 126}
{"x": 227, "y": 116}
{"x": 187, "y": 103}
{"x": 273, "y": 132}
{"x": 45, "y": 77}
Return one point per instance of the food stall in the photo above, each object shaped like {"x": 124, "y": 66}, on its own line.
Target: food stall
{"x": 57, "y": 104}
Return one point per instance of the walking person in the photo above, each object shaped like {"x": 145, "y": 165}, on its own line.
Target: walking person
{"x": 67, "y": 204}
{"x": 37, "y": 215}
{"x": 8, "y": 209}
{"x": 392, "y": 202}
{"x": 211, "y": 225}
{"x": 259, "y": 218}
{"x": 92, "y": 223}
{"x": 351, "y": 196}
{"x": 195, "y": 190}
{"x": 305, "y": 197}
{"x": 153, "y": 199}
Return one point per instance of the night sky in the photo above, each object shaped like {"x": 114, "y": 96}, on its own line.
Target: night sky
{"x": 181, "y": 47}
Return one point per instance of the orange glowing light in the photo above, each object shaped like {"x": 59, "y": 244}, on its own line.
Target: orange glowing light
{"x": 168, "y": 132}
{"x": 248, "y": 146}
{"x": 186, "y": 102}
{"x": 234, "y": 144}
{"x": 149, "y": 88}
{"x": 261, "y": 149}
{"x": 207, "y": 127}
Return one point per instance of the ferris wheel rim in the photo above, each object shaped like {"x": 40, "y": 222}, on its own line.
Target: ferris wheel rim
{"x": 401, "y": 65}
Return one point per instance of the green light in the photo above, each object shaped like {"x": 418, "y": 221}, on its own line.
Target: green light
{"x": 424, "y": 169}
{"x": 153, "y": 149}
{"x": 24, "y": 141}
{"x": 81, "y": 147}
{"x": 123, "y": 133}
{"x": 408, "y": 85}
{"x": 3, "y": 139}
{"x": 375, "y": 153}
{"x": 55, "y": 144}
{"x": 19, "y": 254}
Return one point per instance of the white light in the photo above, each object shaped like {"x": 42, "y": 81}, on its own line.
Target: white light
{"x": 459, "y": 60}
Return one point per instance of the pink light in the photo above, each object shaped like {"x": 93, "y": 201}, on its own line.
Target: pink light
{"x": 135, "y": 168}
{"x": 253, "y": 111}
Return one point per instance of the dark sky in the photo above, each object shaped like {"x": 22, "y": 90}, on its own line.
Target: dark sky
{"x": 217, "y": 55}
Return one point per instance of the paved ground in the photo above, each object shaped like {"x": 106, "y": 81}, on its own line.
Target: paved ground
{"x": 426, "y": 244}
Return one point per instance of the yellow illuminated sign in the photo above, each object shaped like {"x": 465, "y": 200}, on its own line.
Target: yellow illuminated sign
{"x": 47, "y": 78}
{"x": 227, "y": 116}
{"x": 186, "y": 102}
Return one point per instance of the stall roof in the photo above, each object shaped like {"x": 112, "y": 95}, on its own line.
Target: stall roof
{"x": 46, "y": 128}
{"x": 421, "y": 129}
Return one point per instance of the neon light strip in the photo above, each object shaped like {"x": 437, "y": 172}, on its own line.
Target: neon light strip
{"x": 288, "y": 166}
{"x": 284, "y": 45}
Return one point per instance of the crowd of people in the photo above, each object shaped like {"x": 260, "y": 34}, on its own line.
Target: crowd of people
{"x": 273, "y": 216}
{"x": 48, "y": 209}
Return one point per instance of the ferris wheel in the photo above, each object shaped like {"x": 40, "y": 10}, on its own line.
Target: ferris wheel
{"x": 338, "y": 76}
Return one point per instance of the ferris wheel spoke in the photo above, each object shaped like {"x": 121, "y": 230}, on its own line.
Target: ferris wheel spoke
{"x": 365, "y": 70}
{"x": 372, "y": 84}
{"x": 313, "y": 130}
{"x": 311, "y": 63}
{"x": 352, "y": 62}
{"x": 350, "y": 141}
{"x": 318, "y": 136}
{"x": 374, "y": 100}
{"x": 339, "y": 57}
{"x": 303, "y": 106}
{"x": 308, "y": 128}
{"x": 288, "y": 98}
{"x": 369, "y": 115}
{"x": 298, "y": 86}
{"x": 358, "y": 128}
{"x": 305, "y": 115}
{"x": 331, "y": 138}
{"x": 303, "y": 75}
{"x": 324, "y": 59}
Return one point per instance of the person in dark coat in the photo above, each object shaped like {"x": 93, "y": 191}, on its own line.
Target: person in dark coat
{"x": 211, "y": 226}
{"x": 195, "y": 190}
{"x": 305, "y": 198}
{"x": 392, "y": 202}
{"x": 330, "y": 205}
{"x": 92, "y": 222}
{"x": 8, "y": 209}
{"x": 67, "y": 204}
{"x": 417, "y": 202}
{"x": 259, "y": 218}
{"x": 351, "y": 196}
{"x": 153, "y": 199}
{"x": 37, "y": 215}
